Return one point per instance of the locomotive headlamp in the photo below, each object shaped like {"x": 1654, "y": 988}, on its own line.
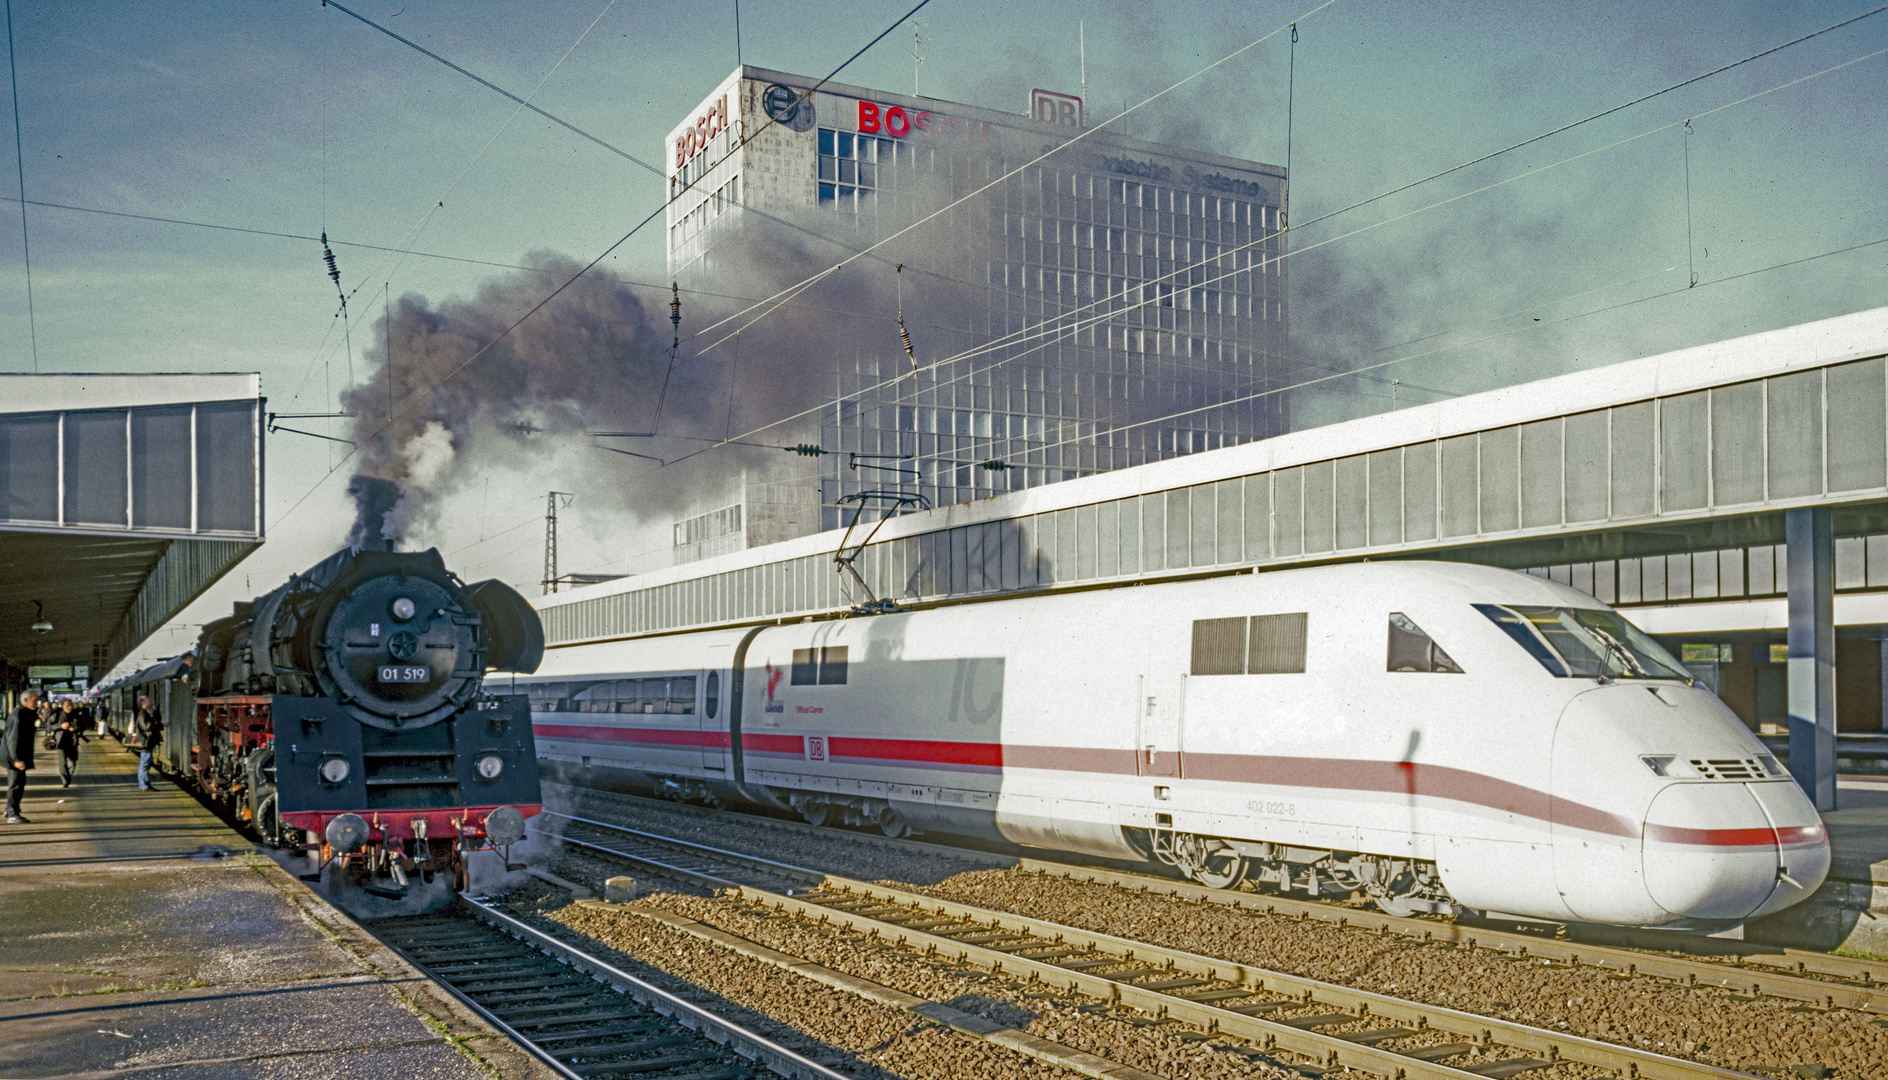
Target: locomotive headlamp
{"x": 504, "y": 825}
{"x": 488, "y": 767}
{"x": 334, "y": 770}
{"x": 347, "y": 834}
{"x": 403, "y": 609}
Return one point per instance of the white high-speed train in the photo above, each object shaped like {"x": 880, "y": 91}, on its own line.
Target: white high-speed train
{"x": 1440, "y": 736}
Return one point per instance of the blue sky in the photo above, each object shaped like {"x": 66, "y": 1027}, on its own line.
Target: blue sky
{"x": 288, "y": 117}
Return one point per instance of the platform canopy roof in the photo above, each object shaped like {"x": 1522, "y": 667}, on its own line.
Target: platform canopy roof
{"x": 122, "y": 498}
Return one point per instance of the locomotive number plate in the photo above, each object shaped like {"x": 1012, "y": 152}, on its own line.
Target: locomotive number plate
{"x": 398, "y": 673}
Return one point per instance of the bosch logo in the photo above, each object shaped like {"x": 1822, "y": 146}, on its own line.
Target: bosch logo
{"x": 785, "y": 105}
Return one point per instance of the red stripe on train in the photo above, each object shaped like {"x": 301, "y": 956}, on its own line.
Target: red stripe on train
{"x": 1331, "y": 774}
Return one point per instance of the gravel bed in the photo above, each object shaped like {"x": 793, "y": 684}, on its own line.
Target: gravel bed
{"x": 831, "y": 851}
{"x": 1704, "y": 1024}
{"x": 1117, "y": 1034}
{"x": 1701, "y": 1023}
{"x": 839, "y": 1030}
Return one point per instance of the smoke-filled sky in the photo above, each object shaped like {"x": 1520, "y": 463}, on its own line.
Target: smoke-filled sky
{"x": 285, "y": 117}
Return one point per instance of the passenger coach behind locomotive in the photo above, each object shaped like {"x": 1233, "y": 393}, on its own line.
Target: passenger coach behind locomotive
{"x": 348, "y": 704}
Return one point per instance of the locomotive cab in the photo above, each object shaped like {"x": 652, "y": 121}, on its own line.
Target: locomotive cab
{"x": 1666, "y": 811}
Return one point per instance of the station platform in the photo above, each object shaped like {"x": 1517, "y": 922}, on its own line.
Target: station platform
{"x": 140, "y": 934}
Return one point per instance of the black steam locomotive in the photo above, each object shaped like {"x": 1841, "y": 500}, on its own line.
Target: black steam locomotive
{"x": 345, "y": 709}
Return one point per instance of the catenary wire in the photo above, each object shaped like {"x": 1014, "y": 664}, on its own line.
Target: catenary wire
{"x": 419, "y": 227}
{"x": 1491, "y": 337}
{"x": 1452, "y": 169}
{"x": 408, "y": 404}
{"x": 1038, "y": 159}
{"x": 1049, "y": 329}
{"x": 19, "y": 157}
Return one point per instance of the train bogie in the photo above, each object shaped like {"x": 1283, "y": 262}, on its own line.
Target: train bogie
{"x": 1436, "y": 735}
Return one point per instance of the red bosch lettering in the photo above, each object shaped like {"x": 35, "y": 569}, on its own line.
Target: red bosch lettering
{"x": 897, "y": 124}
{"x": 868, "y": 118}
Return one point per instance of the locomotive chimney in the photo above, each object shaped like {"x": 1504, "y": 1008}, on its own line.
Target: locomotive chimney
{"x": 373, "y": 498}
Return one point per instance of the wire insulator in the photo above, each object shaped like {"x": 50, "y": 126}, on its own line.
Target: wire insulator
{"x": 994, "y": 465}
{"x": 805, "y": 450}
{"x": 675, "y": 311}
{"x": 898, "y": 275}
{"x": 905, "y": 336}
{"x": 327, "y": 256}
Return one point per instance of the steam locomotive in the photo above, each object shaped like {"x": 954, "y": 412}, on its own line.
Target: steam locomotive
{"x": 346, "y": 710}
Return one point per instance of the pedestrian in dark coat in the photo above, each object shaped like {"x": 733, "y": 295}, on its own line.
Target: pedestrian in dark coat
{"x": 16, "y": 747}
{"x": 147, "y": 733}
{"x": 66, "y": 738}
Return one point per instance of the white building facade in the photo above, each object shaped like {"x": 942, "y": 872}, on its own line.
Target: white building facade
{"x": 1097, "y": 301}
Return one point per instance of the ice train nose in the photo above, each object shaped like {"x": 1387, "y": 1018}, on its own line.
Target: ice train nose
{"x": 1713, "y": 854}
{"x": 1802, "y": 844}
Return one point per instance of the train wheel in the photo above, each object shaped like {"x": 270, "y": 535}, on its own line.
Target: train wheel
{"x": 1208, "y": 862}
{"x": 1221, "y": 870}
{"x": 891, "y": 824}
{"x": 817, "y": 814}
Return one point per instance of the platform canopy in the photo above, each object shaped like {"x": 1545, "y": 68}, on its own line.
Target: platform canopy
{"x": 122, "y": 498}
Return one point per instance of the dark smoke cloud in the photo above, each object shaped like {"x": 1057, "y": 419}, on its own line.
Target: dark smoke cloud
{"x": 591, "y": 359}
{"x": 373, "y": 500}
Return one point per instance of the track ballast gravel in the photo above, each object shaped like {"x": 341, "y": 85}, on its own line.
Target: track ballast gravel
{"x": 1701, "y": 1023}
{"x": 839, "y": 1030}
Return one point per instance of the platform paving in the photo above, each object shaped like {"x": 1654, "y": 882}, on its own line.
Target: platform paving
{"x": 141, "y": 935}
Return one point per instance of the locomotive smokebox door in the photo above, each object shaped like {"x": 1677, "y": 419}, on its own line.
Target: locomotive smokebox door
{"x": 498, "y": 756}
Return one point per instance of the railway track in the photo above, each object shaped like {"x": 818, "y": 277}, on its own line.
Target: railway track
{"x": 576, "y": 1013}
{"x": 1825, "y": 980}
{"x": 1320, "y": 1025}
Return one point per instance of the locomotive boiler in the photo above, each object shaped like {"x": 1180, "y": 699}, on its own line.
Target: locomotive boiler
{"x": 347, "y": 710}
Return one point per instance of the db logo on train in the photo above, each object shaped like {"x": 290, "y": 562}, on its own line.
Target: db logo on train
{"x": 816, "y": 748}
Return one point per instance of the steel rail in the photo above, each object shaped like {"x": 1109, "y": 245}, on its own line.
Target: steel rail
{"x": 544, "y": 1057}
{"x": 1332, "y": 1050}
{"x": 1868, "y": 997}
{"x": 752, "y": 862}
{"x": 1329, "y": 1050}
{"x": 748, "y": 1044}
{"x": 1862, "y": 984}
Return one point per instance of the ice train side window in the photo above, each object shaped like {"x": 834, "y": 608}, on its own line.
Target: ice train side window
{"x": 545, "y": 697}
{"x": 712, "y": 704}
{"x": 820, "y": 667}
{"x": 1413, "y": 650}
{"x": 1585, "y": 643}
{"x": 682, "y": 695}
{"x": 1276, "y": 644}
{"x": 805, "y": 668}
{"x": 832, "y": 665}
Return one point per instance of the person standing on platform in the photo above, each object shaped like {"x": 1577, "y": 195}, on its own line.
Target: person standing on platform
{"x": 16, "y": 746}
{"x": 66, "y": 738}
{"x": 147, "y": 732}
{"x": 103, "y": 712}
